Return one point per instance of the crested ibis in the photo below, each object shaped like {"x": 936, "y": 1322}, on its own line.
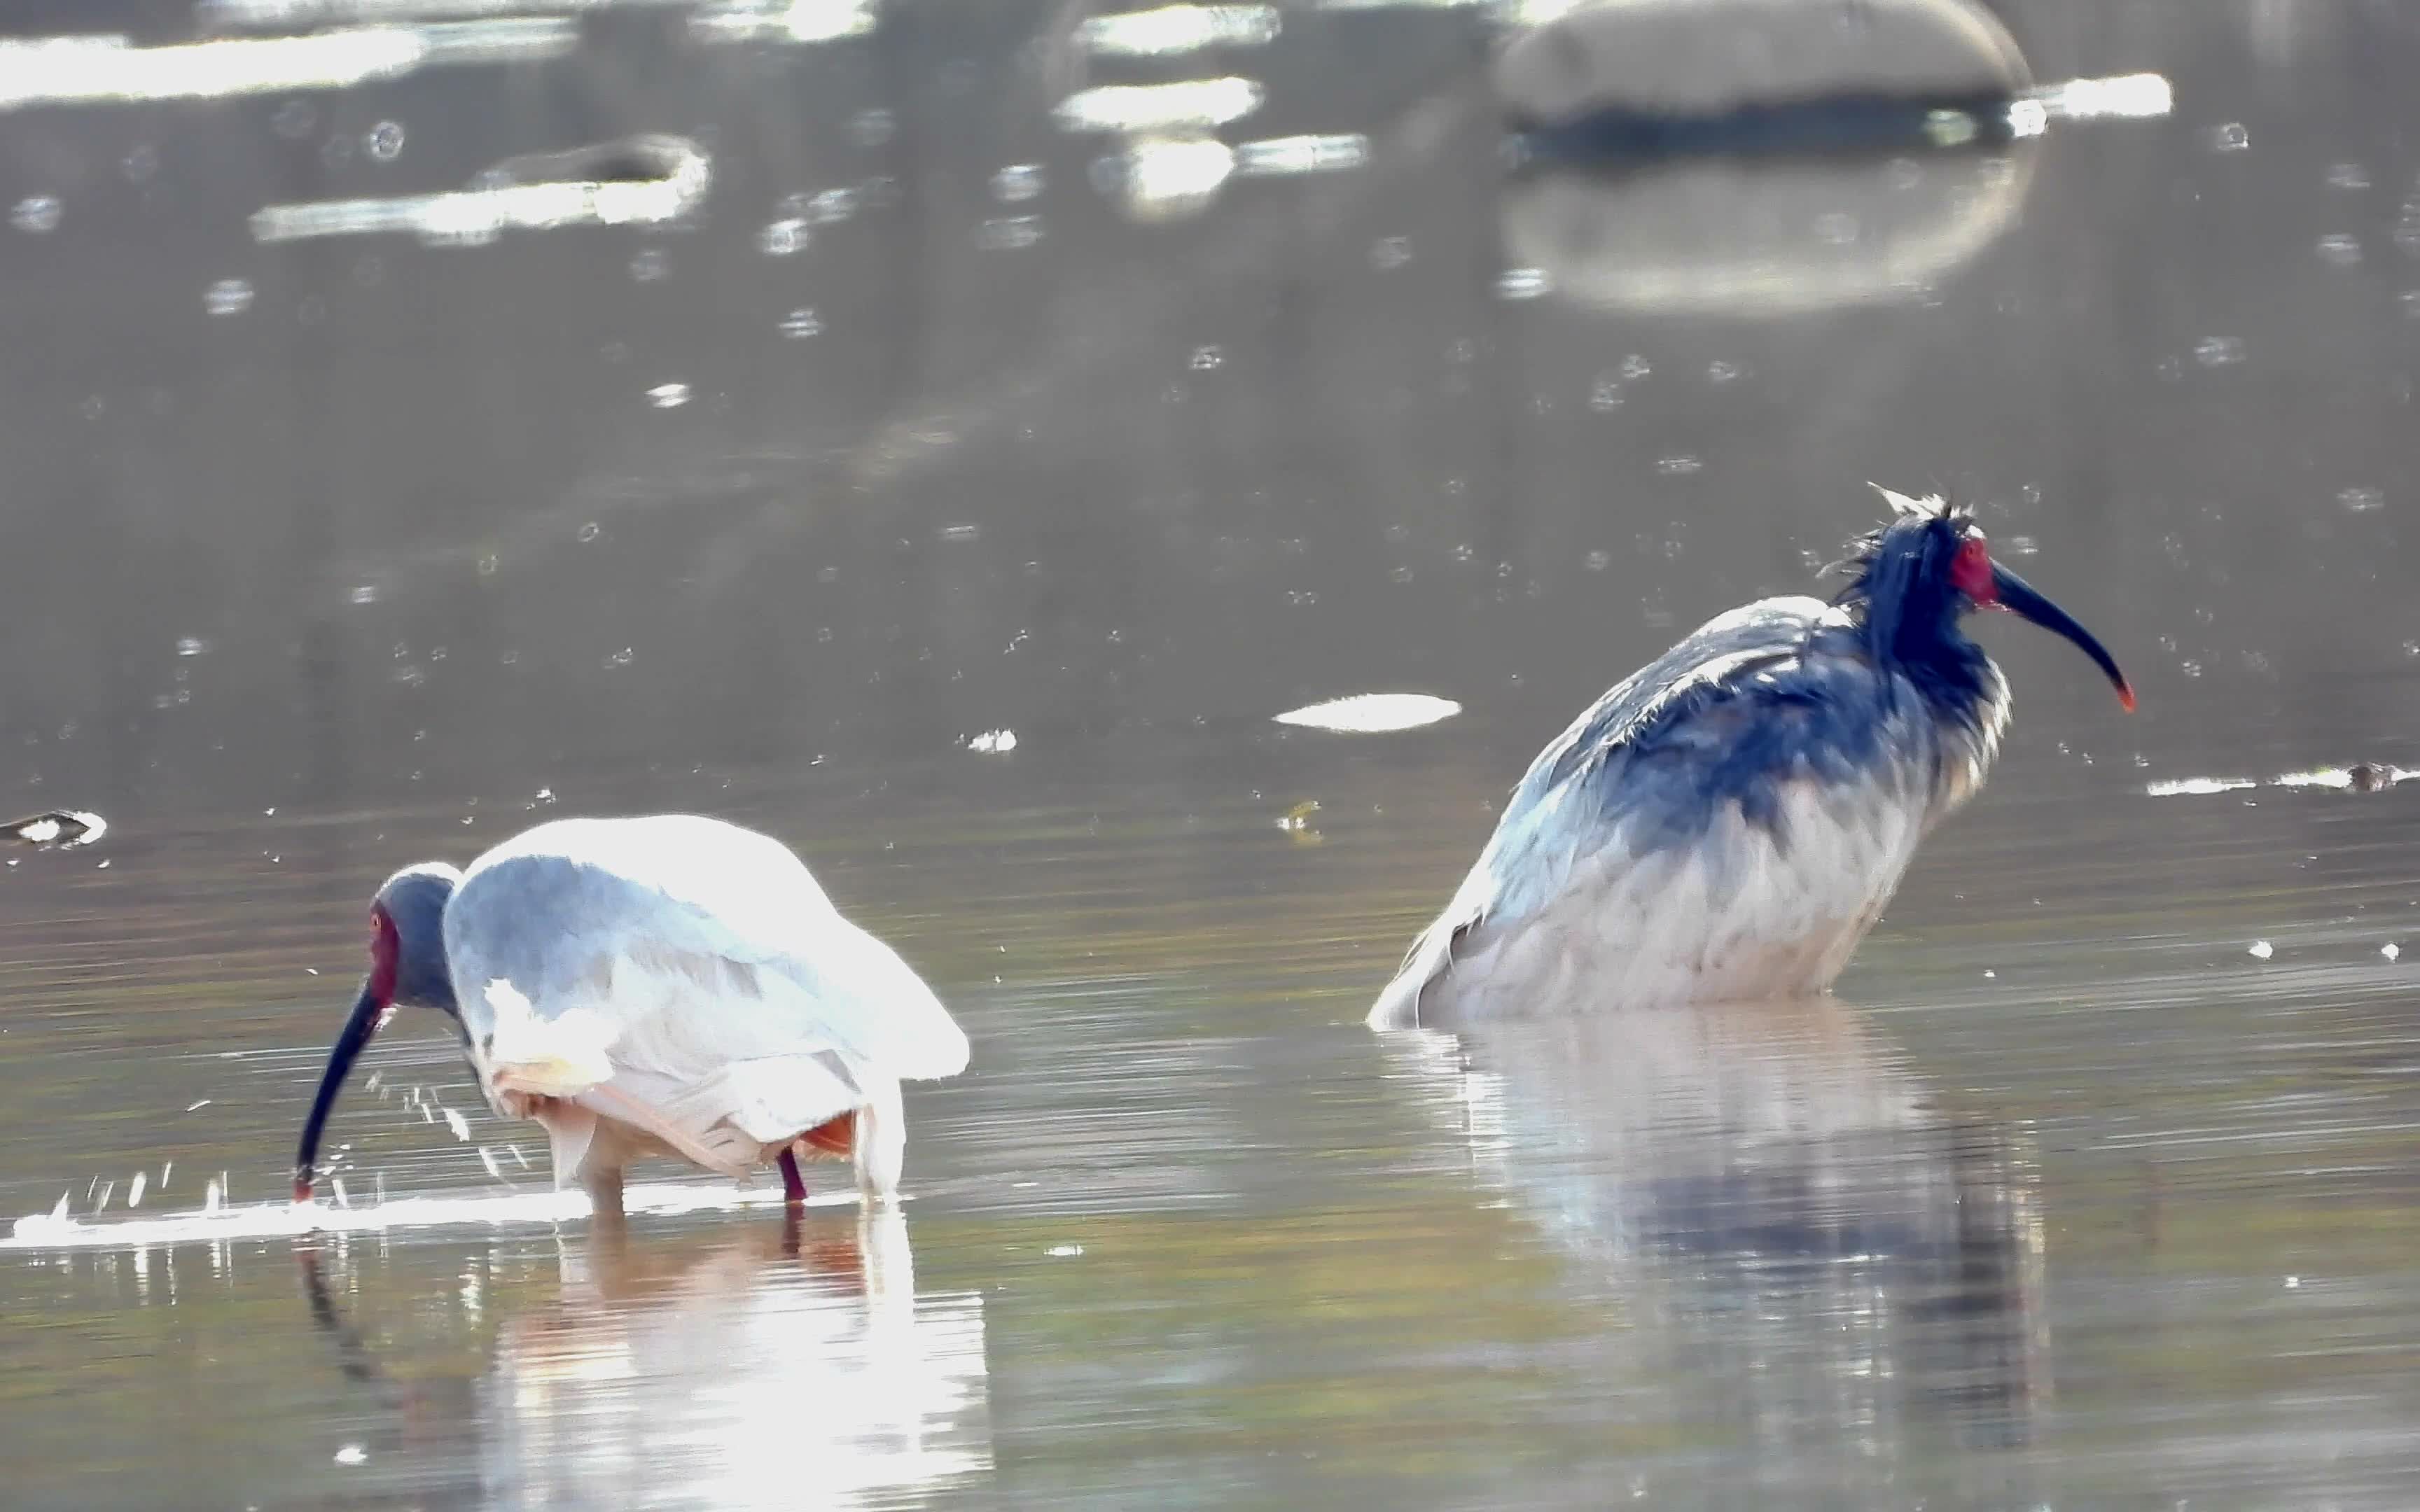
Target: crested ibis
{"x": 1728, "y": 823}
{"x": 669, "y": 985}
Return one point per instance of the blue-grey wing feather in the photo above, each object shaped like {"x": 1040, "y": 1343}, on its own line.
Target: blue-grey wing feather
{"x": 1775, "y": 689}
{"x": 1778, "y": 689}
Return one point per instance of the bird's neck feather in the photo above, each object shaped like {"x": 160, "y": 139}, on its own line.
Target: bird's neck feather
{"x": 423, "y": 981}
{"x": 1914, "y": 629}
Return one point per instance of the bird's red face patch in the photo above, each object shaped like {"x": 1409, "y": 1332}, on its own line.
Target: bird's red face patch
{"x": 1970, "y": 571}
{"x": 382, "y": 954}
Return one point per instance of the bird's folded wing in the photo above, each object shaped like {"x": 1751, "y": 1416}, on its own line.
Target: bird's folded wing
{"x": 767, "y": 970}
{"x": 771, "y": 1101}
{"x": 718, "y": 1148}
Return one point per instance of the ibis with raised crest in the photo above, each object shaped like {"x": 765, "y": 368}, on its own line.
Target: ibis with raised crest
{"x": 1728, "y": 823}
{"x": 666, "y": 985}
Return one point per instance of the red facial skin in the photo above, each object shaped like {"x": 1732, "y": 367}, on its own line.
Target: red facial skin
{"x": 1970, "y": 572}
{"x": 384, "y": 943}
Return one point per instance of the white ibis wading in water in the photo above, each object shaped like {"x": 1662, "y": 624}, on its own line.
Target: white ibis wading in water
{"x": 670, "y": 986}
{"x": 1728, "y": 823}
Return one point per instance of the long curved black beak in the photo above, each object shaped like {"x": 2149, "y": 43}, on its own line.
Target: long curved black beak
{"x": 2013, "y": 594}
{"x": 369, "y": 1012}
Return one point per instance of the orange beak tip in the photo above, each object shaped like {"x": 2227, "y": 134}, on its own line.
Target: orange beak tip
{"x": 2126, "y": 699}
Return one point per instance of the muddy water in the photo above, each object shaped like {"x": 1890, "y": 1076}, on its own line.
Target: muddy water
{"x": 2093, "y": 1189}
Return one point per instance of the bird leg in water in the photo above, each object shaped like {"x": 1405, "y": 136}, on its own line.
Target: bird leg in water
{"x": 604, "y": 1194}
{"x": 833, "y": 1137}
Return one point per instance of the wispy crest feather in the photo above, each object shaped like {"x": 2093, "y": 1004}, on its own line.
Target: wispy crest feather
{"x": 1864, "y": 549}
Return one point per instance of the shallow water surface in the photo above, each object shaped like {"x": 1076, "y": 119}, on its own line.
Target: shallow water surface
{"x": 958, "y": 490}
{"x": 2048, "y": 1208}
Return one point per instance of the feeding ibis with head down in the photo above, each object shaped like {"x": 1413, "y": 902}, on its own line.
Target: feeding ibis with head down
{"x": 670, "y": 986}
{"x": 1728, "y": 823}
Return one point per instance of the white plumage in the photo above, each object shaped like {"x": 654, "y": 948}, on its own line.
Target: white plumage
{"x": 670, "y": 986}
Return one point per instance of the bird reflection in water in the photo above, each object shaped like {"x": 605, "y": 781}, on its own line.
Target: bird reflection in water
{"x": 772, "y": 1368}
{"x": 1795, "y": 1242}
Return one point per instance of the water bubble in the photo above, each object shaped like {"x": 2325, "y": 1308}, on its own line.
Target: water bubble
{"x": 668, "y": 395}
{"x": 384, "y": 141}
{"x": 1723, "y": 372}
{"x": 1016, "y": 183}
{"x": 1400, "y": 575}
{"x": 352, "y": 1454}
{"x": 2362, "y": 501}
{"x": 36, "y": 214}
{"x": 193, "y": 645}
{"x": 1009, "y": 233}
{"x": 1206, "y": 359}
{"x": 588, "y": 533}
{"x": 1598, "y": 561}
{"x": 2340, "y": 250}
{"x": 2390, "y": 950}
{"x": 2260, "y": 950}
{"x": 831, "y": 207}
{"x": 802, "y": 323}
{"x": 2348, "y": 176}
{"x": 2218, "y": 352}
{"x": 2231, "y": 137}
{"x": 1606, "y": 395}
{"x": 782, "y": 238}
{"x": 139, "y": 163}
{"x": 650, "y": 263}
{"x": 1677, "y": 467}
{"x": 229, "y": 296}
{"x": 294, "y": 120}
{"x": 1522, "y": 282}
{"x": 1391, "y": 252}
{"x": 2410, "y": 300}
{"x": 488, "y": 566}
{"x": 1633, "y": 367}
{"x": 872, "y": 128}
{"x": 620, "y": 658}
{"x": 365, "y": 594}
